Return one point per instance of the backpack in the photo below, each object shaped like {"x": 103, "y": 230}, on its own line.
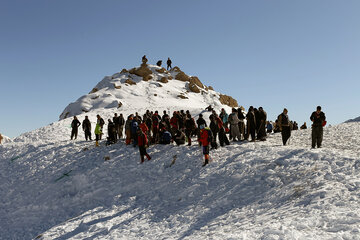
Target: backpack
{"x": 210, "y": 135}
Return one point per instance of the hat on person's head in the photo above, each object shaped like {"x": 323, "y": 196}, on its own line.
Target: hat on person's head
{"x": 202, "y": 126}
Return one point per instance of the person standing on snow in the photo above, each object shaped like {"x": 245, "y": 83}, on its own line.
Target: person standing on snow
{"x": 121, "y": 126}
{"x": 234, "y": 125}
{"x": 98, "y": 132}
{"x": 74, "y": 125}
{"x": 284, "y": 125}
{"x": 319, "y": 120}
{"x": 168, "y": 62}
{"x": 261, "y": 131}
{"x": 101, "y": 123}
{"x": 250, "y": 124}
{"x": 205, "y": 138}
{"x": 142, "y": 142}
{"x": 86, "y": 125}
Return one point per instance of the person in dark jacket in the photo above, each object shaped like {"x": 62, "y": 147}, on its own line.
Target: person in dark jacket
{"x": 116, "y": 121}
{"x": 189, "y": 127}
{"x": 168, "y": 62}
{"x": 121, "y": 126}
{"x": 251, "y": 124}
{"x": 165, "y": 137}
{"x": 214, "y": 129}
{"x": 303, "y": 126}
{"x": 261, "y": 131}
{"x": 74, "y": 127}
{"x": 241, "y": 118}
{"x": 318, "y": 121}
{"x": 284, "y": 125}
{"x": 86, "y": 125}
{"x": 111, "y": 132}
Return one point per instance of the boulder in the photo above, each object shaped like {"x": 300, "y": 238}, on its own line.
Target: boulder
{"x": 182, "y": 77}
{"x": 194, "y": 88}
{"x": 163, "y": 80}
{"x": 176, "y": 69}
{"x": 211, "y": 88}
{"x": 182, "y": 96}
{"x": 161, "y": 70}
{"x": 147, "y": 77}
{"x": 130, "y": 82}
{"x": 227, "y": 100}
{"x": 195, "y": 80}
{"x": 117, "y": 87}
{"x": 119, "y": 105}
{"x": 124, "y": 71}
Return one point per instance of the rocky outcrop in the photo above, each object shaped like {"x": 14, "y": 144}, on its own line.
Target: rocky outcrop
{"x": 227, "y": 100}
{"x": 130, "y": 82}
{"x": 143, "y": 71}
{"x": 94, "y": 90}
{"x": 163, "y": 80}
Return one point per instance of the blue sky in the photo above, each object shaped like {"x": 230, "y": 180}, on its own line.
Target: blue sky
{"x": 275, "y": 54}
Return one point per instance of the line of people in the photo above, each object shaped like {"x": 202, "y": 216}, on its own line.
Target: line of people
{"x": 181, "y": 127}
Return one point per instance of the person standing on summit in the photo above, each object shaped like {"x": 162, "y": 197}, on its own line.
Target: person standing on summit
{"x": 168, "y": 62}
{"x": 318, "y": 119}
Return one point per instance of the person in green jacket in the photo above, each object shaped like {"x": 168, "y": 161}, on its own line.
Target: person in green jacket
{"x": 98, "y": 133}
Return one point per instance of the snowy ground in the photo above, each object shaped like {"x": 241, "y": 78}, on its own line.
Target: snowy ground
{"x": 260, "y": 190}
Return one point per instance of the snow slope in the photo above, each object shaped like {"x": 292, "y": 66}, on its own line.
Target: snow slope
{"x": 260, "y": 190}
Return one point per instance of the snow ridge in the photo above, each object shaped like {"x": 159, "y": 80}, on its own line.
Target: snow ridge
{"x": 260, "y": 190}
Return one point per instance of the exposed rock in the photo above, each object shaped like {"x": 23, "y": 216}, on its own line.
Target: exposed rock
{"x": 211, "y": 88}
{"x": 182, "y": 96}
{"x": 95, "y": 97}
{"x": 182, "y": 77}
{"x": 170, "y": 77}
{"x": 107, "y": 158}
{"x": 66, "y": 115}
{"x": 196, "y": 81}
{"x": 124, "y": 71}
{"x": 155, "y": 94}
{"x": 132, "y": 71}
{"x": 120, "y": 104}
{"x": 94, "y": 90}
{"x": 176, "y": 69}
{"x": 159, "y": 85}
{"x": 147, "y": 77}
{"x": 143, "y": 71}
{"x": 194, "y": 88}
{"x": 129, "y": 81}
{"x": 163, "y": 80}
{"x": 117, "y": 87}
{"x": 227, "y": 100}
{"x": 84, "y": 110}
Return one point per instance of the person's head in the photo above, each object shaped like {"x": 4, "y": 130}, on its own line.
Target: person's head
{"x": 75, "y": 117}
{"x": 109, "y": 120}
{"x": 200, "y": 115}
{"x": 222, "y": 110}
{"x": 86, "y": 117}
{"x": 233, "y": 110}
{"x": 202, "y": 126}
{"x": 285, "y": 111}
{"x": 115, "y": 114}
{"x": 251, "y": 108}
{"x": 260, "y": 108}
{"x": 98, "y": 116}
{"x": 318, "y": 109}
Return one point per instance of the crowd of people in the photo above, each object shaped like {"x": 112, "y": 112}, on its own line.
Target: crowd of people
{"x": 181, "y": 127}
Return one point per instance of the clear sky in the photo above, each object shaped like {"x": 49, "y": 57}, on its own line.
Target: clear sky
{"x": 275, "y": 54}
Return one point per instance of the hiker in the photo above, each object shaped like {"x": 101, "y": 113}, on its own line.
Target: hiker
{"x": 295, "y": 126}
{"x": 241, "y": 124}
{"x": 251, "y": 124}
{"x": 179, "y": 137}
{"x": 222, "y": 134}
{"x": 224, "y": 117}
{"x": 205, "y": 138}
{"x": 214, "y": 129}
{"x": 209, "y": 108}
{"x": 261, "y": 132}
{"x": 189, "y": 127}
{"x": 121, "y": 126}
{"x": 86, "y": 125}
{"x": 74, "y": 127}
{"x": 168, "y": 62}
{"x": 159, "y": 63}
{"x": 101, "y": 123}
{"x": 303, "y": 126}
{"x": 111, "y": 133}
{"x": 116, "y": 123}
{"x": 144, "y": 59}
{"x": 276, "y": 126}
{"x": 269, "y": 127}
{"x": 142, "y": 142}
{"x": 165, "y": 137}
{"x": 98, "y": 133}
{"x": 134, "y": 125}
{"x": 318, "y": 122}
{"x": 234, "y": 125}
{"x": 284, "y": 126}
{"x": 128, "y": 129}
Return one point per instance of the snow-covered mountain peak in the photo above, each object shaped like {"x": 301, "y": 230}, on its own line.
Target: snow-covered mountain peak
{"x": 148, "y": 87}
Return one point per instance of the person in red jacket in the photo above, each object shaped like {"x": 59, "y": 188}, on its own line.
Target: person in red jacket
{"x": 205, "y": 138}
{"x": 142, "y": 143}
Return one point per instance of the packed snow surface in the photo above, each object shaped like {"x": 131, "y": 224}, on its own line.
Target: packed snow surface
{"x": 54, "y": 188}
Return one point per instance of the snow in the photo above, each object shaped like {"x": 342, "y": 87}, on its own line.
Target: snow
{"x": 5, "y": 139}
{"x": 260, "y": 190}
{"x": 54, "y": 188}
